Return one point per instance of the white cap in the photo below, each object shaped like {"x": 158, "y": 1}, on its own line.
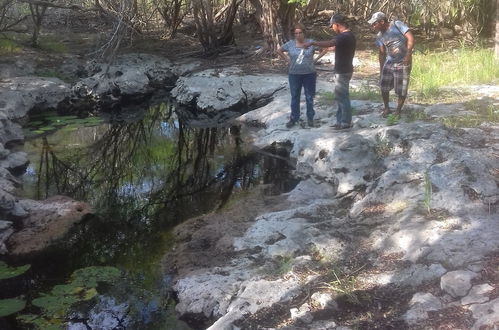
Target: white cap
{"x": 378, "y": 16}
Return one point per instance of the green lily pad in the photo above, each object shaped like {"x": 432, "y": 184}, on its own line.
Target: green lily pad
{"x": 11, "y": 306}
{"x": 40, "y": 322}
{"x": 90, "y": 276}
{"x": 47, "y": 128}
{"x": 35, "y": 123}
{"x": 8, "y": 272}
{"x": 56, "y": 306}
{"x": 69, "y": 129}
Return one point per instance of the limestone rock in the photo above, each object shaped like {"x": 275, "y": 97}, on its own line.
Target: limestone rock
{"x": 213, "y": 91}
{"x": 21, "y": 94}
{"x": 302, "y": 314}
{"x": 477, "y": 294}
{"x": 48, "y": 221}
{"x": 5, "y": 232}
{"x": 457, "y": 283}
{"x": 487, "y": 315}
{"x": 421, "y": 303}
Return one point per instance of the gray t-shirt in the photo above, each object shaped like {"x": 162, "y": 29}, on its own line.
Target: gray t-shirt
{"x": 302, "y": 59}
{"x": 394, "y": 41}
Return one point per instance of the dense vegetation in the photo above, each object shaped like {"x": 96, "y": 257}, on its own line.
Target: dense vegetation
{"x": 214, "y": 19}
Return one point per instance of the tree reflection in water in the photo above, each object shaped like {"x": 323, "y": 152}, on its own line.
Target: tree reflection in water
{"x": 132, "y": 170}
{"x": 142, "y": 178}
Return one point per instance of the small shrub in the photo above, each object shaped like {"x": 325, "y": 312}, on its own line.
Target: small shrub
{"x": 325, "y": 98}
{"x": 382, "y": 147}
{"x": 392, "y": 119}
{"x": 8, "y": 46}
{"x": 417, "y": 115}
{"x": 53, "y": 46}
{"x": 366, "y": 92}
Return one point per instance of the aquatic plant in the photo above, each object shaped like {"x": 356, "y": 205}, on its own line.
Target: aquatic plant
{"x": 57, "y": 304}
{"x": 9, "y": 271}
{"x": 11, "y": 305}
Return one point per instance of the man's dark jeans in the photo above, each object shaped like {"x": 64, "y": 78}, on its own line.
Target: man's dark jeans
{"x": 342, "y": 94}
{"x": 296, "y": 81}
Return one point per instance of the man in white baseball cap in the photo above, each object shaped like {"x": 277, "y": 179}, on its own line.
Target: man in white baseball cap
{"x": 395, "y": 41}
{"x": 378, "y": 16}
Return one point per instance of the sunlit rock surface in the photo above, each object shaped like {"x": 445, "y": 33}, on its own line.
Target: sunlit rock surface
{"x": 365, "y": 194}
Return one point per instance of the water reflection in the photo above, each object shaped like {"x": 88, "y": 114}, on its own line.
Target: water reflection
{"x": 142, "y": 177}
{"x": 138, "y": 166}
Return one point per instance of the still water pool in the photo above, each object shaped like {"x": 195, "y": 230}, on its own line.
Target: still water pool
{"x": 143, "y": 172}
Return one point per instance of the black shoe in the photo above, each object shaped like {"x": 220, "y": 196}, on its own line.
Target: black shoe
{"x": 310, "y": 123}
{"x": 290, "y": 123}
{"x": 341, "y": 127}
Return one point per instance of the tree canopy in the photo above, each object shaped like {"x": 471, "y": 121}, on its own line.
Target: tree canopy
{"x": 213, "y": 20}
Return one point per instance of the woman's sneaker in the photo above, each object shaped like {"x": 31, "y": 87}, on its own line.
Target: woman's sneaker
{"x": 290, "y": 123}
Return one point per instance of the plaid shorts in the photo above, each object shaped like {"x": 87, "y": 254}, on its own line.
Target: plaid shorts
{"x": 395, "y": 75}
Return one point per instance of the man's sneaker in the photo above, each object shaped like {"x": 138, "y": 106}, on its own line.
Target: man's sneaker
{"x": 290, "y": 123}
{"x": 342, "y": 126}
{"x": 310, "y": 123}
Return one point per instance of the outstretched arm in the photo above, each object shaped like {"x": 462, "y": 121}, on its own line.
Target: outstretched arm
{"x": 321, "y": 44}
{"x": 323, "y": 52}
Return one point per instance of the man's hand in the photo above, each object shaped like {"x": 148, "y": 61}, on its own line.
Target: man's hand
{"x": 307, "y": 44}
{"x": 407, "y": 59}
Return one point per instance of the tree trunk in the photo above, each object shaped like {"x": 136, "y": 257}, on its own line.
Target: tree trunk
{"x": 275, "y": 18}
{"x": 37, "y": 15}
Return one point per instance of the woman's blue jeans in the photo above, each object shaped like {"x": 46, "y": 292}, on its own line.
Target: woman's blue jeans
{"x": 296, "y": 81}
{"x": 341, "y": 92}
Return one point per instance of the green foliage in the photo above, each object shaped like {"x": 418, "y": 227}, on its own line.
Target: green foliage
{"x": 392, "y": 119}
{"x": 416, "y": 115}
{"x": 49, "y": 122}
{"x": 300, "y": 2}
{"x": 344, "y": 284}
{"x": 9, "y": 272}
{"x": 484, "y": 113}
{"x": 82, "y": 287}
{"x": 8, "y": 46}
{"x": 281, "y": 265}
{"x": 53, "y": 74}
{"x": 325, "y": 98}
{"x": 382, "y": 147}
{"x": 432, "y": 72}
{"x": 11, "y": 306}
{"x": 40, "y": 322}
{"x": 366, "y": 92}
{"x": 53, "y": 46}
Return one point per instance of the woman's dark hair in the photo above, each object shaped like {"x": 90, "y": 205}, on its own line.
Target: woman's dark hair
{"x": 298, "y": 26}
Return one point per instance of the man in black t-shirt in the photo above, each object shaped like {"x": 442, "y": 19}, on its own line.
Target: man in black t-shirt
{"x": 344, "y": 44}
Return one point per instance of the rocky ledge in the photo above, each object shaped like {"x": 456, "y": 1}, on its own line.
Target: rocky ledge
{"x": 392, "y": 226}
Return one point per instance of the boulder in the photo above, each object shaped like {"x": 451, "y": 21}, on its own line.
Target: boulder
{"x": 48, "y": 221}
{"x": 19, "y": 95}
{"x": 457, "y": 283}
